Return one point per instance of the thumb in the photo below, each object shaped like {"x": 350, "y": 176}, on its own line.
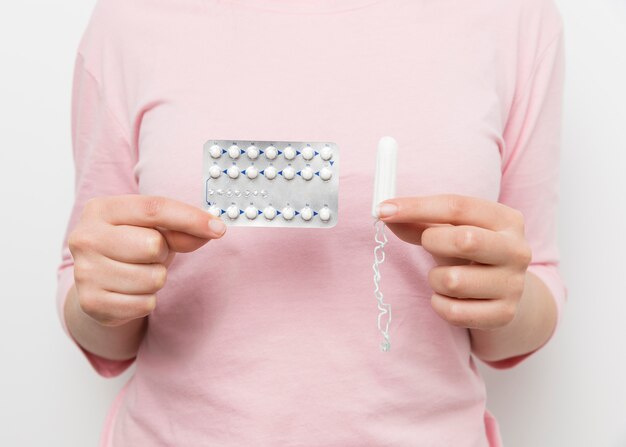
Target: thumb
{"x": 408, "y": 232}
{"x": 182, "y": 242}
{"x": 450, "y": 261}
{"x": 412, "y": 233}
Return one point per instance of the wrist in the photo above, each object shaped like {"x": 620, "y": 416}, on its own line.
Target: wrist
{"x": 113, "y": 343}
{"x": 529, "y": 330}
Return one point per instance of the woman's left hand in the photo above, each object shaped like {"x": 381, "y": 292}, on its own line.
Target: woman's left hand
{"x": 480, "y": 249}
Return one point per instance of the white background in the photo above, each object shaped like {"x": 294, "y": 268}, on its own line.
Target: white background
{"x": 572, "y": 393}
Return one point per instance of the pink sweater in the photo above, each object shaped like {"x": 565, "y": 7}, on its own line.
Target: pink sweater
{"x": 268, "y": 337}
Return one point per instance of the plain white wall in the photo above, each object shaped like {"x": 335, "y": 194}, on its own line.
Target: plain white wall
{"x": 573, "y": 393}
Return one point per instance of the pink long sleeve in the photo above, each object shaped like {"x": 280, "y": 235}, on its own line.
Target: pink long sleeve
{"x": 104, "y": 161}
{"x": 531, "y": 168}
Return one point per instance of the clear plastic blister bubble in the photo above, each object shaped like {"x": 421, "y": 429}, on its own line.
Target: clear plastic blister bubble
{"x": 272, "y": 183}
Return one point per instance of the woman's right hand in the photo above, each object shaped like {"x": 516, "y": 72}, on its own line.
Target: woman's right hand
{"x": 122, "y": 247}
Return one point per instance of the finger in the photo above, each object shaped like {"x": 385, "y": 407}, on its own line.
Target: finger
{"x": 169, "y": 259}
{"x": 182, "y": 242}
{"x": 153, "y": 211}
{"x": 114, "y": 309}
{"x": 126, "y": 243}
{"x": 451, "y": 209}
{"x": 413, "y": 234}
{"x": 476, "y": 281}
{"x": 131, "y": 279}
{"x": 474, "y": 314}
{"x": 408, "y": 232}
{"x": 473, "y": 243}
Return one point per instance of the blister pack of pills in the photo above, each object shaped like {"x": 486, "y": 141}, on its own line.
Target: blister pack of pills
{"x": 272, "y": 183}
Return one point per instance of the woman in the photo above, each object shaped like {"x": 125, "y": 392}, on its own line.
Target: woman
{"x": 267, "y": 337}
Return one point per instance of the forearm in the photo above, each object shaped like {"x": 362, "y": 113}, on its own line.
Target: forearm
{"x": 530, "y": 329}
{"x": 114, "y": 343}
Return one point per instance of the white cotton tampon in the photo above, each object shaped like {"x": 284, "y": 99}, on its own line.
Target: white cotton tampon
{"x": 385, "y": 177}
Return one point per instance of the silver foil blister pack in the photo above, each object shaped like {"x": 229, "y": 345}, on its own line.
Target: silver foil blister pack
{"x": 272, "y": 183}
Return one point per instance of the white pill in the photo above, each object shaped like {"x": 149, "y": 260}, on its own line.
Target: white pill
{"x": 326, "y": 153}
{"x": 233, "y": 211}
{"x": 289, "y": 173}
{"x": 307, "y": 153}
{"x": 234, "y": 151}
{"x": 326, "y": 173}
{"x": 251, "y": 212}
{"x": 288, "y": 213}
{"x": 215, "y": 171}
{"x": 252, "y": 152}
{"x": 215, "y": 151}
{"x": 307, "y": 173}
{"x": 289, "y": 153}
{"x": 252, "y": 172}
{"x": 233, "y": 171}
{"x": 270, "y": 172}
{"x": 269, "y": 212}
{"x": 215, "y": 210}
{"x": 306, "y": 213}
{"x": 325, "y": 214}
{"x": 271, "y": 152}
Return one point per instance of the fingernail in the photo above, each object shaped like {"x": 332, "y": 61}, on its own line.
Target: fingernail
{"x": 217, "y": 226}
{"x": 152, "y": 302}
{"x": 386, "y": 209}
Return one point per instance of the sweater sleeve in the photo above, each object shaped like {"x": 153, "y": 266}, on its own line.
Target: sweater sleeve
{"x": 104, "y": 165}
{"x": 530, "y": 169}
